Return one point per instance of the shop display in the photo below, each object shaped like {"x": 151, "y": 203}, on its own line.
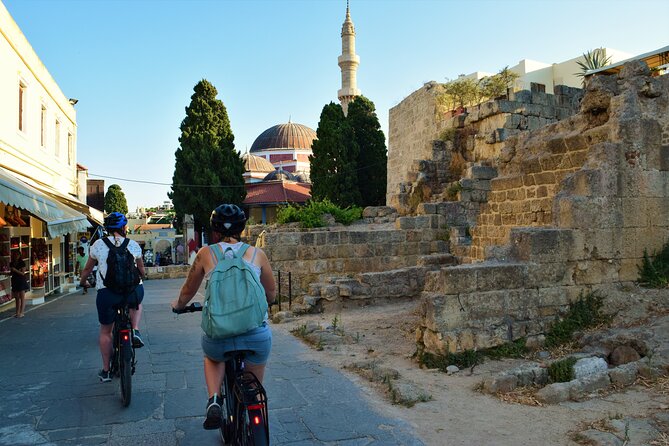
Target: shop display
{"x": 5, "y": 273}
{"x": 39, "y": 262}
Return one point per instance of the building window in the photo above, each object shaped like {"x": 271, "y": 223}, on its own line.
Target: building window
{"x": 42, "y": 131}
{"x": 22, "y": 104}
{"x": 57, "y": 140}
{"x": 537, "y": 87}
{"x": 70, "y": 148}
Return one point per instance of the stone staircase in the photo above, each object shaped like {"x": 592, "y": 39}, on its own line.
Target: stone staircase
{"x": 460, "y": 205}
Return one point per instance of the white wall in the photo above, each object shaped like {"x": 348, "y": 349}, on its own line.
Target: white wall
{"x": 22, "y": 150}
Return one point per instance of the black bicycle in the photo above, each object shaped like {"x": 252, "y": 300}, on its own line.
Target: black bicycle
{"x": 123, "y": 357}
{"x": 245, "y": 421}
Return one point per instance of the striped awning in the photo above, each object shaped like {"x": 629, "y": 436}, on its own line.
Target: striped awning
{"x": 59, "y": 218}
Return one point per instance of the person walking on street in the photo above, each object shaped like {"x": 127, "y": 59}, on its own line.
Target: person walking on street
{"x": 227, "y": 223}
{"x": 80, "y": 263}
{"x": 19, "y": 282}
{"x": 107, "y": 300}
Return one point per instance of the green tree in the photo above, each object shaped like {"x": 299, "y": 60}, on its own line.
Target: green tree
{"x": 373, "y": 158}
{"x": 497, "y": 85}
{"x": 461, "y": 91}
{"x": 333, "y": 160}
{"x": 208, "y": 170}
{"x": 115, "y": 200}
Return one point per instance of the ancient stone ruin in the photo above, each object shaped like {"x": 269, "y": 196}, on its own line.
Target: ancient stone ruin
{"x": 501, "y": 215}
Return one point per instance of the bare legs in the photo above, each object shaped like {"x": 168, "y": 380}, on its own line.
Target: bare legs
{"x": 105, "y": 342}
{"x": 215, "y": 371}
{"x": 135, "y": 316}
{"x": 20, "y": 302}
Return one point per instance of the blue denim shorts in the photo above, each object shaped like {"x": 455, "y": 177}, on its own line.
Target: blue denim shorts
{"x": 107, "y": 302}
{"x": 258, "y": 340}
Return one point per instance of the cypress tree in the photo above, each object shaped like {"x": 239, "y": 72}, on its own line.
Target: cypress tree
{"x": 115, "y": 200}
{"x": 208, "y": 170}
{"x": 373, "y": 158}
{"x": 333, "y": 159}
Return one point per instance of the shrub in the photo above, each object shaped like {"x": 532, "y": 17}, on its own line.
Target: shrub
{"x": 562, "y": 371}
{"x": 310, "y": 216}
{"x": 583, "y": 313}
{"x": 654, "y": 273}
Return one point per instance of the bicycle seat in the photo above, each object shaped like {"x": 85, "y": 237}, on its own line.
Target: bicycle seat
{"x": 233, "y": 354}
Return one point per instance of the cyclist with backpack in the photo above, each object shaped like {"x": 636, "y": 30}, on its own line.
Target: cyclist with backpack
{"x": 120, "y": 269}
{"x": 240, "y": 286}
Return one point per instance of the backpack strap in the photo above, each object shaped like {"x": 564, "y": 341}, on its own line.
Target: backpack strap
{"x": 109, "y": 244}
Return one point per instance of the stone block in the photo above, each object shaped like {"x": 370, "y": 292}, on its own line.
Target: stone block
{"x": 624, "y": 375}
{"x": 481, "y": 172}
{"x": 582, "y": 387}
{"x": 500, "y": 276}
{"x": 502, "y": 383}
{"x": 554, "y": 393}
{"x": 623, "y": 354}
{"x": 589, "y": 366}
{"x": 541, "y": 245}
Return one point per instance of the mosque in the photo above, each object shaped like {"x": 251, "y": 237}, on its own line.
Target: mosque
{"x": 277, "y": 165}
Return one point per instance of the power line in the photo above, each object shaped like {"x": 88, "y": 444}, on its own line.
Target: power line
{"x": 207, "y": 186}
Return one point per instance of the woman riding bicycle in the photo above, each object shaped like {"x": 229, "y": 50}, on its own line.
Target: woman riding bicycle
{"x": 227, "y": 223}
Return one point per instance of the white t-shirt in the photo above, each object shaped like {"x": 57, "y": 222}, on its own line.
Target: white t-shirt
{"x": 99, "y": 252}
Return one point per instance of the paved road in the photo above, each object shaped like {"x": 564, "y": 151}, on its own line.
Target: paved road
{"x": 50, "y": 394}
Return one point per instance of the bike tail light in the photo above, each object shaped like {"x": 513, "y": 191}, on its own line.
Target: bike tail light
{"x": 125, "y": 335}
{"x": 256, "y": 420}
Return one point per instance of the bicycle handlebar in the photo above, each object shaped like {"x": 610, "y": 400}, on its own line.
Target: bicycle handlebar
{"x": 195, "y": 306}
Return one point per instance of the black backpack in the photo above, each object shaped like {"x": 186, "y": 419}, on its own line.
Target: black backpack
{"x": 122, "y": 273}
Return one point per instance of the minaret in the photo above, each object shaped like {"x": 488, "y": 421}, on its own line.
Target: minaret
{"x": 348, "y": 62}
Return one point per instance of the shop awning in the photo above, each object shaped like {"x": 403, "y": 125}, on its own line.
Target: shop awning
{"x": 59, "y": 218}
{"x": 95, "y": 216}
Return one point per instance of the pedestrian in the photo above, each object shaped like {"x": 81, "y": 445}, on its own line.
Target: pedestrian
{"x": 227, "y": 223}
{"x": 107, "y": 301}
{"x": 80, "y": 263}
{"x": 19, "y": 282}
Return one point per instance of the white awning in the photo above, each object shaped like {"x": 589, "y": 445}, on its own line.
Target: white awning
{"x": 59, "y": 218}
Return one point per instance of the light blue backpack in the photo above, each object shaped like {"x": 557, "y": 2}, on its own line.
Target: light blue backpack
{"x": 235, "y": 300}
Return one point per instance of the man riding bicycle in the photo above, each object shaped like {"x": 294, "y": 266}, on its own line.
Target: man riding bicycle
{"x": 107, "y": 300}
{"x": 227, "y": 223}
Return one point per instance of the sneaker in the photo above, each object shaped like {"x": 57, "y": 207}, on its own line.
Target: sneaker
{"x": 214, "y": 413}
{"x": 137, "y": 339}
{"x": 105, "y": 376}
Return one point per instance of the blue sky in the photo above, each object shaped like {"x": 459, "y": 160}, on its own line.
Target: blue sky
{"x": 133, "y": 63}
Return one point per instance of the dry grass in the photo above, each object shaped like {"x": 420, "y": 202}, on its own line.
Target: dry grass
{"x": 659, "y": 385}
{"x": 521, "y": 395}
{"x": 563, "y": 350}
{"x": 661, "y": 440}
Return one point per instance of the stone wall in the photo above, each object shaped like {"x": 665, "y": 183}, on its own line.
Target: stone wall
{"x": 604, "y": 181}
{"x": 348, "y": 250}
{"x": 475, "y": 135}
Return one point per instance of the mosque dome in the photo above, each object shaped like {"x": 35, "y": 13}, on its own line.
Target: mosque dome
{"x": 280, "y": 174}
{"x": 254, "y": 163}
{"x": 285, "y": 136}
{"x": 302, "y": 176}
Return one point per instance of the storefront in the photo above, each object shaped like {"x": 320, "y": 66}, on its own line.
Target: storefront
{"x": 44, "y": 231}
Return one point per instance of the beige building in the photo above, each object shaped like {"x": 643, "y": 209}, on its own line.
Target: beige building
{"x": 546, "y": 76}
{"x": 42, "y": 191}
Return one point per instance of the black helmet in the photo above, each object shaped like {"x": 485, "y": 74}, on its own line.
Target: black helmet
{"x": 115, "y": 220}
{"x": 228, "y": 219}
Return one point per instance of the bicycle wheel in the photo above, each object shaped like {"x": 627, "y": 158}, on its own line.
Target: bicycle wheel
{"x": 227, "y": 428}
{"x": 256, "y": 434}
{"x": 126, "y": 375}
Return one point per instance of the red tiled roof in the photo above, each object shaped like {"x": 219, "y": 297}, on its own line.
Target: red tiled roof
{"x": 277, "y": 192}
{"x": 149, "y": 227}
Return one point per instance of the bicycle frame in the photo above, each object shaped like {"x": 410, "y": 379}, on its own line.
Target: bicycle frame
{"x": 245, "y": 403}
{"x": 123, "y": 355}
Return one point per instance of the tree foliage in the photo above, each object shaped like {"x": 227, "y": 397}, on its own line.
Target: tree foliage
{"x": 373, "y": 158}
{"x": 115, "y": 200}
{"x": 463, "y": 92}
{"x": 334, "y": 159}
{"x": 208, "y": 170}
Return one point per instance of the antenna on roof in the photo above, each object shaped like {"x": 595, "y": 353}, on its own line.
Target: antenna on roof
{"x": 289, "y": 116}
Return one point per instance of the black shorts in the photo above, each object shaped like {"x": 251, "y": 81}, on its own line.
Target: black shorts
{"x": 107, "y": 302}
